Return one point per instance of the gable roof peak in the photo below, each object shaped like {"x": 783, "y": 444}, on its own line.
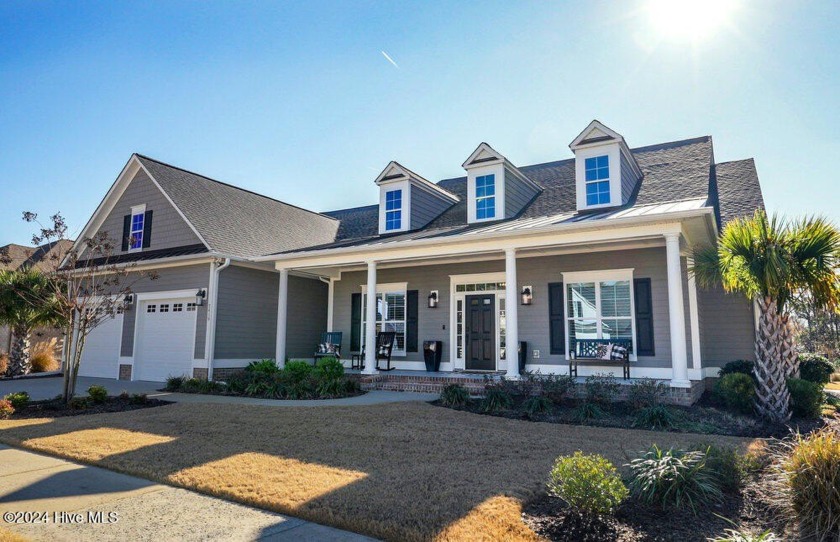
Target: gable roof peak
{"x": 595, "y": 132}
{"x": 395, "y": 171}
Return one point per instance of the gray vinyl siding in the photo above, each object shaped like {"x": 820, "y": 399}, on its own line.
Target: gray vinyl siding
{"x": 189, "y": 278}
{"x": 169, "y": 230}
{"x": 433, "y": 324}
{"x": 628, "y": 179}
{"x": 727, "y": 325}
{"x": 517, "y": 194}
{"x": 425, "y": 207}
{"x": 246, "y": 322}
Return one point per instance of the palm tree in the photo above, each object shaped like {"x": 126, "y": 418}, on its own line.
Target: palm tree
{"x": 27, "y": 301}
{"x": 773, "y": 261}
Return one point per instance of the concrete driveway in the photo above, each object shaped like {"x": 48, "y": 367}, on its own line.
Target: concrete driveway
{"x": 76, "y": 502}
{"x": 48, "y": 387}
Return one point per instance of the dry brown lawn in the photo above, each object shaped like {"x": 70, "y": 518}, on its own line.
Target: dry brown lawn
{"x": 9, "y": 536}
{"x": 404, "y": 471}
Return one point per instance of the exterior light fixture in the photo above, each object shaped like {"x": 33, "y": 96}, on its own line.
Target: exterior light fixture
{"x": 200, "y": 295}
{"x": 433, "y": 299}
{"x": 128, "y": 301}
{"x": 527, "y": 296}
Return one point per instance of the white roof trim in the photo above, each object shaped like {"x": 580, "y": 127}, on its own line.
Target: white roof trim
{"x": 129, "y": 171}
{"x": 488, "y": 155}
{"x": 597, "y": 125}
{"x": 594, "y": 125}
{"x": 395, "y": 171}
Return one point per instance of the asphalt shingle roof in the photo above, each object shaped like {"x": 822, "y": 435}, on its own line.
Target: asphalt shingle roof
{"x": 738, "y": 191}
{"x": 236, "y": 221}
{"x": 45, "y": 257}
{"x": 672, "y": 172}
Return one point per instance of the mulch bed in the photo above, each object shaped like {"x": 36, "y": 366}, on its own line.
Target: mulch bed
{"x": 56, "y": 408}
{"x": 638, "y": 522}
{"x": 705, "y": 417}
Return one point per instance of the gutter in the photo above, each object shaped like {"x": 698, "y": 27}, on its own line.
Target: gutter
{"x": 210, "y": 340}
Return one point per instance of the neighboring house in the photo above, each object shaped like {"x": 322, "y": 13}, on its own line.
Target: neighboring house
{"x": 46, "y": 258}
{"x": 596, "y": 246}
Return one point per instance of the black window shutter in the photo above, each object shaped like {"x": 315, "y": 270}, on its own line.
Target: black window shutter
{"x": 147, "y": 229}
{"x": 126, "y": 232}
{"x": 411, "y": 321}
{"x": 556, "y": 318}
{"x": 644, "y": 317}
{"x": 356, "y": 322}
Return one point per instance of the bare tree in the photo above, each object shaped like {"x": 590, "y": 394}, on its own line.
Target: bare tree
{"x": 91, "y": 285}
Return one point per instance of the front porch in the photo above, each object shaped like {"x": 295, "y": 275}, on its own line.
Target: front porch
{"x": 547, "y": 293}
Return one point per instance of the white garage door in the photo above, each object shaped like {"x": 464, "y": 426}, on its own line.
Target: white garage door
{"x": 165, "y": 339}
{"x": 101, "y": 355}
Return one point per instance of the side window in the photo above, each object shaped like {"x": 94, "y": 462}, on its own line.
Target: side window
{"x": 151, "y": 308}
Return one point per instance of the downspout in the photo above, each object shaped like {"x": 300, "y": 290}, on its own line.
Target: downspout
{"x": 210, "y": 344}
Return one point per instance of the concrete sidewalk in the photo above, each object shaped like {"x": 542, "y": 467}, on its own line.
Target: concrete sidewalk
{"x": 49, "y": 387}
{"x": 70, "y": 495}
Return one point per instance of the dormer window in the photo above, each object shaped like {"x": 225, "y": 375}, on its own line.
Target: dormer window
{"x": 597, "y": 180}
{"x": 485, "y": 197}
{"x": 393, "y": 210}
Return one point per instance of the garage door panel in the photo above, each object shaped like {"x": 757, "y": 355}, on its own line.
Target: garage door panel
{"x": 165, "y": 339}
{"x": 101, "y": 354}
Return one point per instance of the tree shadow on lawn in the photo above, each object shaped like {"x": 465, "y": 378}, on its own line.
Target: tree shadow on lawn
{"x": 406, "y": 471}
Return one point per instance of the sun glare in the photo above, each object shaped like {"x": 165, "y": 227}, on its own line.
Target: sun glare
{"x": 689, "y": 20}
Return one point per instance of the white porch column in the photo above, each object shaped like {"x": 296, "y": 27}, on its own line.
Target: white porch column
{"x": 511, "y": 314}
{"x": 282, "y": 305}
{"x": 370, "y": 321}
{"x": 676, "y": 312}
{"x": 694, "y": 319}
{"x": 330, "y": 300}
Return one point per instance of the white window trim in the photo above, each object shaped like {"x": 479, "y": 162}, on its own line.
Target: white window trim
{"x": 493, "y": 169}
{"x": 586, "y": 183}
{"x": 137, "y": 210}
{"x": 597, "y": 277}
{"x": 405, "y": 215}
{"x": 400, "y": 209}
{"x": 388, "y": 288}
{"x": 613, "y": 152}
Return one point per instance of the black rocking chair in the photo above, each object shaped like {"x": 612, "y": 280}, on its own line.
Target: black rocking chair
{"x": 384, "y": 348}
{"x": 332, "y": 340}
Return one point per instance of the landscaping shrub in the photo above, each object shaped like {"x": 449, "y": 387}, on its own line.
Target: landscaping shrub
{"x": 741, "y": 366}
{"x": 815, "y": 368}
{"x": 79, "y": 403}
{"x": 645, "y": 393}
{"x": 329, "y": 368}
{"x": 264, "y": 366}
{"x": 728, "y": 466}
{"x": 806, "y": 398}
{"x": 601, "y": 389}
{"x": 6, "y": 409}
{"x": 496, "y": 399}
{"x": 4, "y": 363}
{"x": 536, "y": 404}
{"x": 174, "y": 383}
{"x": 811, "y": 476}
{"x": 657, "y": 417}
{"x": 587, "y": 483}
{"x": 42, "y": 356}
{"x": 736, "y": 391}
{"x": 98, "y": 394}
{"x": 556, "y": 387}
{"x": 19, "y": 399}
{"x": 138, "y": 399}
{"x": 674, "y": 478}
{"x": 588, "y": 411}
{"x": 739, "y": 536}
{"x": 454, "y": 395}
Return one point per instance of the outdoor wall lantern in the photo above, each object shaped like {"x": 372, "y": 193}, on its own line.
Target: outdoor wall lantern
{"x": 433, "y": 299}
{"x": 199, "y": 297}
{"x": 526, "y": 295}
{"x": 128, "y": 301}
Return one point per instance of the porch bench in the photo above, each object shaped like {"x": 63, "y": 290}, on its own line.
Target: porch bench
{"x": 587, "y": 351}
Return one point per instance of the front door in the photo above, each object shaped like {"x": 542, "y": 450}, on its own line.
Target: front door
{"x": 481, "y": 333}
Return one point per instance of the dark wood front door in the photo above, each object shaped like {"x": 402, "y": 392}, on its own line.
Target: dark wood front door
{"x": 481, "y": 333}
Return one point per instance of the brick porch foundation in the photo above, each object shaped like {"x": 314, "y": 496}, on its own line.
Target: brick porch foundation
{"x": 474, "y": 384}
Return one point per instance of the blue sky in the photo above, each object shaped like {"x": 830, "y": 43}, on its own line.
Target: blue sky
{"x": 297, "y": 101}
